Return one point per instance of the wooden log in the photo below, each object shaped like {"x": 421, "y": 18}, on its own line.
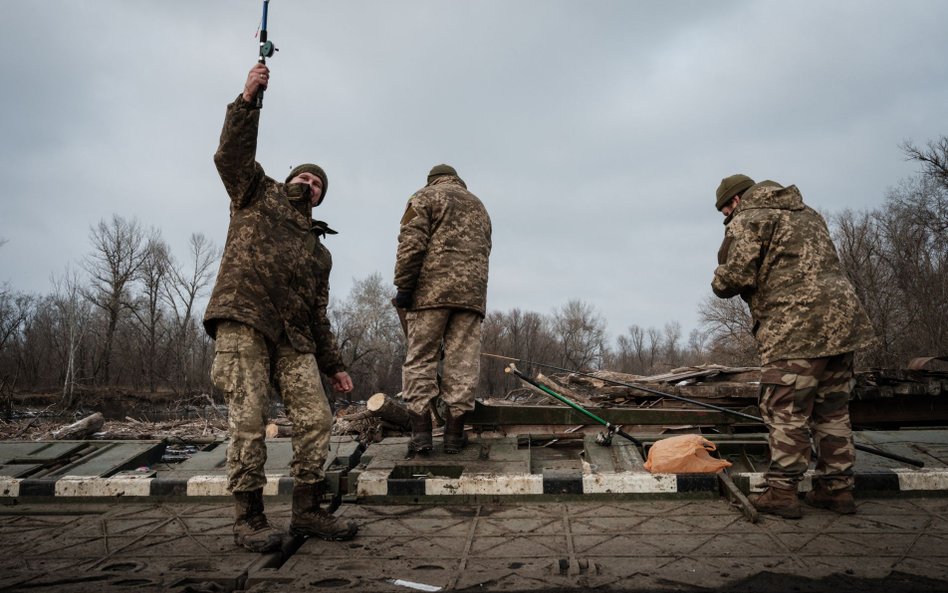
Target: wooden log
{"x": 123, "y": 435}
{"x": 563, "y": 390}
{"x": 281, "y": 431}
{"x": 389, "y": 410}
{"x": 81, "y": 429}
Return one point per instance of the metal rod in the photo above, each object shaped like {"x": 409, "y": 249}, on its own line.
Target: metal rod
{"x": 612, "y": 428}
{"x": 266, "y": 50}
{"x": 858, "y": 446}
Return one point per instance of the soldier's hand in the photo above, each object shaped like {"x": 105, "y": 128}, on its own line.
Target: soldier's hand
{"x": 258, "y": 78}
{"x": 341, "y": 382}
{"x": 403, "y": 299}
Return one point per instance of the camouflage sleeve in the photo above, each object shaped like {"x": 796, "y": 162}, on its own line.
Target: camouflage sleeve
{"x": 236, "y": 154}
{"x": 738, "y": 259}
{"x": 413, "y": 240}
{"x": 327, "y": 352}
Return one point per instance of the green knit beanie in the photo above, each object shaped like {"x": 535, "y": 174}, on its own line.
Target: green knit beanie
{"x": 730, "y": 187}
{"x": 315, "y": 170}
{"x": 442, "y": 169}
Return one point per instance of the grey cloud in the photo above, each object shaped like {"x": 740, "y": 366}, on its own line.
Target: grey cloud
{"x": 595, "y": 132}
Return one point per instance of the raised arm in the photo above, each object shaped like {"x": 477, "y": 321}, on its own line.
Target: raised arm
{"x": 236, "y": 154}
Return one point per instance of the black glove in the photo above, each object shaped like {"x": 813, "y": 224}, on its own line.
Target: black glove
{"x": 403, "y": 299}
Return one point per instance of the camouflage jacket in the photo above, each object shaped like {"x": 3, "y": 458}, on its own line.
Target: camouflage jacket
{"x": 778, "y": 256}
{"x": 444, "y": 247}
{"x": 274, "y": 274}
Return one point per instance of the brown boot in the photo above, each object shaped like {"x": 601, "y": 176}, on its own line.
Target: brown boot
{"x": 251, "y": 528}
{"x": 311, "y": 521}
{"x": 420, "y": 433}
{"x": 777, "y": 501}
{"x": 454, "y": 436}
{"x": 838, "y": 501}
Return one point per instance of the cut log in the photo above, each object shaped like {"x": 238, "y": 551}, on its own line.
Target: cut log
{"x": 281, "y": 431}
{"x": 563, "y": 390}
{"x": 123, "y": 435}
{"x": 81, "y": 429}
{"x": 389, "y": 410}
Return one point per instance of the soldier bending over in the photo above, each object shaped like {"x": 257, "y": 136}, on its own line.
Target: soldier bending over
{"x": 778, "y": 256}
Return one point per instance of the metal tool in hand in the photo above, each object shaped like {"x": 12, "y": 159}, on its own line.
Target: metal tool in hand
{"x": 266, "y": 47}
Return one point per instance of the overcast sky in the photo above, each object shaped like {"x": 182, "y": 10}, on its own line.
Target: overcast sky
{"x": 595, "y": 132}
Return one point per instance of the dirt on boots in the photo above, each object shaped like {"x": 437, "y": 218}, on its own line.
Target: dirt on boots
{"x": 838, "y": 501}
{"x": 309, "y": 520}
{"x": 421, "y": 441}
{"x": 455, "y": 438}
{"x": 782, "y": 502}
{"x": 251, "y": 528}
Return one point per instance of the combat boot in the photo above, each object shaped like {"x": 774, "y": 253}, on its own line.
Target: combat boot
{"x": 455, "y": 438}
{"x": 777, "y": 501}
{"x": 309, "y": 520}
{"x": 838, "y": 501}
{"x": 420, "y": 433}
{"x": 251, "y": 528}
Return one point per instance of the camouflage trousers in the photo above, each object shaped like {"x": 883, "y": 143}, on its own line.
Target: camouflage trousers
{"x": 459, "y": 331}
{"x": 804, "y": 399}
{"x": 242, "y": 370}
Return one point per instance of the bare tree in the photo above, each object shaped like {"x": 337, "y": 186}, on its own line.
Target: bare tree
{"x": 635, "y": 351}
{"x": 73, "y": 312}
{"x": 492, "y": 380}
{"x": 518, "y": 334}
{"x": 581, "y": 335}
{"x": 696, "y": 346}
{"x": 148, "y": 313}
{"x": 637, "y": 341}
{"x": 671, "y": 348}
{"x": 653, "y": 348}
{"x": 370, "y": 337}
{"x": 917, "y": 253}
{"x": 862, "y": 255}
{"x": 15, "y": 310}
{"x": 117, "y": 254}
{"x": 187, "y": 284}
{"x": 622, "y": 357}
{"x": 934, "y": 158}
{"x": 730, "y": 330}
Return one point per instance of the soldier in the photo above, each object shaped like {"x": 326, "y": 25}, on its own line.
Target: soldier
{"x": 778, "y": 256}
{"x": 441, "y": 279}
{"x": 267, "y": 314}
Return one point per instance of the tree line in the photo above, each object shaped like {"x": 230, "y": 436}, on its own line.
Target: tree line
{"x": 127, "y": 317}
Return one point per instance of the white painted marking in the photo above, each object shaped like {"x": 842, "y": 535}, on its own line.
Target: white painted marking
{"x": 629, "y": 483}
{"x": 922, "y": 479}
{"x": 83, "y": 486}
{"x": 207, "y": 486}
{"x": 372, "y": 483}
{"x": 9, "y": 487}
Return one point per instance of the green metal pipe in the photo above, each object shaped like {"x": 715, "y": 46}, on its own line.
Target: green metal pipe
{"x": 858, "y": 446}
{"x": 612, "y": 428}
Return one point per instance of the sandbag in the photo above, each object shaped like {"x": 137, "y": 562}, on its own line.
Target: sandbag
{"x": 684, "y": 454}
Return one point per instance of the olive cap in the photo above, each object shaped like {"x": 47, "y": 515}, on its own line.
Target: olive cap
{"x": 315, "y": 170}
{"x": 730, "y": 187}
{"x": 442, "y": 169}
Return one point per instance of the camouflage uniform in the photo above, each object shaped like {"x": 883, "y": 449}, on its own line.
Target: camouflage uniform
{"x": 778, "y": 256}
{"x": 268, "y": 311}
{"x": 242, "y": 369}
{"x": 443, "y": 251}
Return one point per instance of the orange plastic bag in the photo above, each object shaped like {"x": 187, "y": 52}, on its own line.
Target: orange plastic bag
{"x": 684, "y": 454}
